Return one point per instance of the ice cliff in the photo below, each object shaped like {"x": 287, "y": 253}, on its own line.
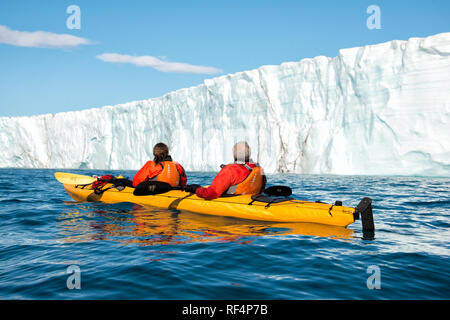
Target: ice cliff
{"x": 378, "y": 109}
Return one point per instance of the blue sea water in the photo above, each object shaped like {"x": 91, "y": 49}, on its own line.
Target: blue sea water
{"x": 124, "y": 251}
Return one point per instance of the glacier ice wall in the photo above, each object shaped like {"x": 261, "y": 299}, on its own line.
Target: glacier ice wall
{"x": 378, "y": 109}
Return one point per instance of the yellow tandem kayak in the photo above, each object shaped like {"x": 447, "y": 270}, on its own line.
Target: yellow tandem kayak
{"x": 239, "y": 206}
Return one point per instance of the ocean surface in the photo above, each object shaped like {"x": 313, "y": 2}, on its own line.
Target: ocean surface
{"x": 51, "y": 245}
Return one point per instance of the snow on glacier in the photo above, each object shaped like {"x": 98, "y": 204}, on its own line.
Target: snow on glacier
{"x": 378, "y": 109}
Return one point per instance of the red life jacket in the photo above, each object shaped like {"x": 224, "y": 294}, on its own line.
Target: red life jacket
{"x": 169, "y": 173}
{"x": 252, "y": 184}
{"x": 165, "y": 171}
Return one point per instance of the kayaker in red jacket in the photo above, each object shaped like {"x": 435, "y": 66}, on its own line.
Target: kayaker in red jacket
{"x": 241, "y": 177}
{"x": 162, "y": 168}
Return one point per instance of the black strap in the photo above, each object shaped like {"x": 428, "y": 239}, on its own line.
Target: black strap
{"x": 100, "y": 191}
{"x": 268, "y": 204}
{"x": 167, "y": 158}
{"x": 118, "y": 183}
{"x": 83, "y": 185}
{"x": 245, "y": 165}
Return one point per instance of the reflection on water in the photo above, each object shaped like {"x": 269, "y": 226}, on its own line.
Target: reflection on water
{"x": 116, "y": 246}
{"x": 134, "y": 224}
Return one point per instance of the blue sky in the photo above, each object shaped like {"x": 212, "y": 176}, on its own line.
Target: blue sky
{"x": 226, "y": 36}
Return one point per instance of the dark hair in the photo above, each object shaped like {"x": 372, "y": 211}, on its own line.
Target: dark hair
{"x": 160, "y": 151}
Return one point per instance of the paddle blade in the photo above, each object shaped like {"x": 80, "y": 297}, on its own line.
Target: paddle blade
{"x": 148, "y": 188}
{"x": 281, "y": 191}
{"x": 72, "y": 178}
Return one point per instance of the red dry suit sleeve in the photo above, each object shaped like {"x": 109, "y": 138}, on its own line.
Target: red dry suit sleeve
{"x": 219, "y": 185}
{"x": 148, "y": 171}
{"x": 183, "y": 178}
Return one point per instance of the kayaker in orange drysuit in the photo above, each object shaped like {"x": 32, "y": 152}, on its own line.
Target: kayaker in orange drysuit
{"x": 162, "y": 168}
{"x": 241, "y": 177}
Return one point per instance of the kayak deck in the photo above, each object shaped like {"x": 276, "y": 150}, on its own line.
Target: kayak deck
{"x": 240, "y": 206}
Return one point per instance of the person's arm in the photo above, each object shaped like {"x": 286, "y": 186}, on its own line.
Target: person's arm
{"x": 219, "y": 185}
{"x": 142, "y": 174}
{"x": 183, "y": 177}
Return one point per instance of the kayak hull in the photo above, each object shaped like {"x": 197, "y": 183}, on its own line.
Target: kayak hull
{"x": 233, "y": 206}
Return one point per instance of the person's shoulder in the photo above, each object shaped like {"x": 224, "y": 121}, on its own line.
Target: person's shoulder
{"x": 234, "y": 168}
{"x": 224, "y": 168}
{"x": 149, "y": 164}
{"x": 228, "y": 166}
{"x": 178, "y": 165}
{"x": 254, "y": 165}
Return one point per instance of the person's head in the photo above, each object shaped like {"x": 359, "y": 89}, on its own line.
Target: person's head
{"x": 241, "y": 151}
{"x": 160, "y": 151}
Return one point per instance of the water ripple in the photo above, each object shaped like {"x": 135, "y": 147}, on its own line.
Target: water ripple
{"x": 125, "y": 251}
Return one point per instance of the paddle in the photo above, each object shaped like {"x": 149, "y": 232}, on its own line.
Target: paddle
{"x": 149, "y": 188}
{"x": 280, "y": 191}
{"x": 72, "y": 178}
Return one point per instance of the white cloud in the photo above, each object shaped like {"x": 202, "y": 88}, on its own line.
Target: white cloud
{"x": 39, "y": 39}
{"x": 160, "y": 65}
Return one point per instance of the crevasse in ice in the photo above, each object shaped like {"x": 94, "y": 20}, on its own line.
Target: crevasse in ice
{"x": 378, "y": 109}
